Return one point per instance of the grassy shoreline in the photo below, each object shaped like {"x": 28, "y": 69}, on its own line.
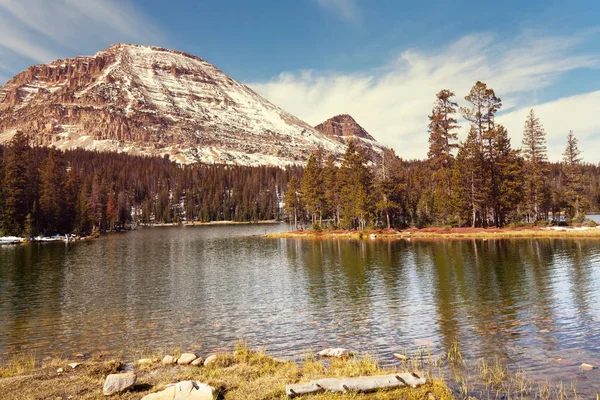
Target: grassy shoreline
{"x": 240, "y": 374}
{"x": 446, "y": 233}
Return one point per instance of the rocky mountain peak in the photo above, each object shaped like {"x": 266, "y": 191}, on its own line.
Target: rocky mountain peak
{"x": 155, "y": 101}
{"x": 344, "y": 126}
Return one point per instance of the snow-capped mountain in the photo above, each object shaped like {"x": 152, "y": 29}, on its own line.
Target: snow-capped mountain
{"x": 149, "y": 100}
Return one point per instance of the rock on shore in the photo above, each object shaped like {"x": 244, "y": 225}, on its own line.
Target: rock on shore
{"x": 116, "y": 383}
{"x": 186, "y": 390}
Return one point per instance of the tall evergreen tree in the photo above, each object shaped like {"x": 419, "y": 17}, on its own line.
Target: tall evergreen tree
{"x": 355, "y": 191}
{"x": 52, "y": 194}
{"x": 292, "y": 200}
{"x": 390, "y": 184}
{"x": 442, "y": 143}
{"x": 573, "y": 180}
{"x": 535, "y": 168}
{"x": 15, "y": 186}
{"x": 311, "y": 187}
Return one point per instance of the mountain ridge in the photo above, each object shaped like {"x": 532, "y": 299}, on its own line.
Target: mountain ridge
{"x": 155, "y": 101}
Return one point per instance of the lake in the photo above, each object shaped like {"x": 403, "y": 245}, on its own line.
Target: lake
{"x": 527, "y": 301}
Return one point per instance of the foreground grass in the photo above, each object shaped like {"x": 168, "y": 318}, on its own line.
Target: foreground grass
{"x": 241, "y": 374}
{"x": 445, "y": 233}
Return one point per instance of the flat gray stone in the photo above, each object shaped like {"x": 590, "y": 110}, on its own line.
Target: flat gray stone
{"x": 116, "y": 383}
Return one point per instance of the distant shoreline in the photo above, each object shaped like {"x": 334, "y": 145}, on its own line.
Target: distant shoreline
{"x": 163, "y": 224}
{"x": 447, "y": 233}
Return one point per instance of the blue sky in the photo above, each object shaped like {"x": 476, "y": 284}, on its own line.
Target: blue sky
{"x": 381, "y": 61}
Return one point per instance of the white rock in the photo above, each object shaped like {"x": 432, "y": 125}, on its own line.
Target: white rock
{"x": 74, "y": 365}
{"x": 116, "y": 383}
{"x": 210, "y": 359}
{"x": 336, "y": 352}
{"x": 186, "y": 390}
{"x": 587, "y": 367}
{"x": 169, "y": 360}
{"x": 399, "y": 356}
{"x": 198, "y": 361}
{"x": 60, "y": 371}
{"x": 186, "y": 358}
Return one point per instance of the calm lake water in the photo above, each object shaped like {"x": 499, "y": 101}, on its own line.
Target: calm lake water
{"x": 530, "y": 302}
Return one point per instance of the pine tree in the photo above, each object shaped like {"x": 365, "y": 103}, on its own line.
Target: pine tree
{"x": 292, "y": 199}
{"x": 390, "y": 185}
{"x": 355, "y": 190}
{"x": 535, "y": 168}
{"x": 442, "y": 131}
{"x": 467, "y": 181}
{"x": 442, "y": 143}
{"x": 573, "y": 180}
{"x": 52, "y": 194}
{"x": 311, "y": 188}
{"x": 508, "y": 185}
{"x": 15, "y": 185}
{"x": 484, "y": 104}
{"x": 331, "y": 190}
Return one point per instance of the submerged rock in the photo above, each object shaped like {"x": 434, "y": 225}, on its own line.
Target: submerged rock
{"x": 186, "y": 390}
{"x": 186, "y": 358}
{"x": 338, "y": 352}
{"x": 399, "y": 356}
{"x": 587, "y": 367}
{"x": 116, "y": 383}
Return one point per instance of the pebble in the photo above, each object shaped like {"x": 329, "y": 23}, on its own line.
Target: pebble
{"x": 60, "y": 370}
{"x": 74, "y": 365}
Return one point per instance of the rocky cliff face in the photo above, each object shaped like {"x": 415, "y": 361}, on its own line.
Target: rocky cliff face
{"x": 148, "y": 100}
{"x": 344, "y": 128}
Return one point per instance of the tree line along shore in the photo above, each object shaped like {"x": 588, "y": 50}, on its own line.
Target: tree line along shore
{"x": 482, "y": 181}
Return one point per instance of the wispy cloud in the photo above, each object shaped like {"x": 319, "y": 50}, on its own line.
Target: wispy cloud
{"x": 392, "y": 102}
{"x": 346, "y": 9}
{"x": 41, "y": 30}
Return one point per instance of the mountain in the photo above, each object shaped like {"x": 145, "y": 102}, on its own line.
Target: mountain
{"x": 344, "y": 128}
{"x": 155, "y": 101}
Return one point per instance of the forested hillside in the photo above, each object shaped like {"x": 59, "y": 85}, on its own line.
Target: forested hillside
{"x": 480, "y": 182}
{"x": 45, "y": 191}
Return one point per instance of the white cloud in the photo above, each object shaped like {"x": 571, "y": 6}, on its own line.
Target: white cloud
{"x": 40, "y": 30}
{"x": 576, "y": 113}
{"x": 347, "y": 9}
{"x": 393, "y": 102}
